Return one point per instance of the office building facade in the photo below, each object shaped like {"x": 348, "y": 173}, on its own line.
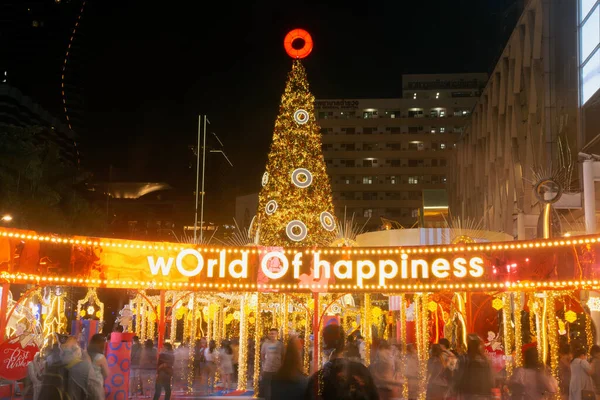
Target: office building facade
{"x": 382, "y": 154}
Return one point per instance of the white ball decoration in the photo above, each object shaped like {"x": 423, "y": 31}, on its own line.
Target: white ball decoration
{"x": 296, "y": 237}
{"x": 307, "y": 178}
{"x": 271, "y": 207}
{"x": 265, "y": 179}
{"x": 301, "y": 117}
{"x": 327, "y": 221}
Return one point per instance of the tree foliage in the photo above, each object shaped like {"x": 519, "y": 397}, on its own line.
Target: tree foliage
{"x": 40, "y": 189}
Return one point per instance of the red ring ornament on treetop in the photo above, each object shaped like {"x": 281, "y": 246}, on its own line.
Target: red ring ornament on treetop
{"x": 296, "y": 34}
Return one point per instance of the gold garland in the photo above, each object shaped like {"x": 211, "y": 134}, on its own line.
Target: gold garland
{"x": 143, "y": 321}
{"x": 589, "y": 336}
{"x": 422, "y": 356}
{"x": 403, "y": 345}
{"x": 284, "y": 316}
{"x": 553, "y": 334}
{"x": 307, "y": 331}
{"x": 243, "y": 345}
{"x": 192, "y": 348}
{"x": 257, "y": 335}
{"x": 531, "y": 306}
{"x": 508, "y": 331}
{"x": 518, "y": 331}
{"x": 367, "y": 328}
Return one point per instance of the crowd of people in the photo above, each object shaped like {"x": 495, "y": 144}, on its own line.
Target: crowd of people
{"x": 65, "y": 371}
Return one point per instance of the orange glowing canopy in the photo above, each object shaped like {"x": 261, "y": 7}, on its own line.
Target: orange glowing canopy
{"x": 294, "y": 39}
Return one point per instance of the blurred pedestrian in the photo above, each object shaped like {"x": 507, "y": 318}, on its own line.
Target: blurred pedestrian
{"x": 437, "y": 377}
{"x": 531, "y": 381}
{"x": 135, "y": 384}
{"x": 211, "y": 356}
{"x": 271, "y": 354}
{"x": 96, "y": 352}
{"x": 148, "y": 367}
{"x": 289, "y": 383}
{"x": 474, "y": 376}
{"x": 564, "y": 369}
{"x": 581, "y": 386}
{"x": 164, "y": 372}
{"x": 226, "y": 364}
{"x": 340, "y": 378}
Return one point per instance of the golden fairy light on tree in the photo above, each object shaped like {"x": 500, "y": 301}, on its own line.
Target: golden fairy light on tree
{"x": 295, "y": 204}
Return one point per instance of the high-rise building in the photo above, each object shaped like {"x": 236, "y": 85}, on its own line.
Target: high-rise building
{"x": 382, "y": 155}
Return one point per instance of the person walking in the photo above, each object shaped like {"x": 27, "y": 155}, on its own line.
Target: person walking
{"x": 271, "y": 354}
{"x": 135, "y": 384}
{"x": 164, "y": 372}
{"x": 531, "y": 381}
{"x": 595, "y": 363}
{"x": 289, "y": 382}
{"x": 340, "y": 378}
{"x": 581, "y": 386}
{"x": 382, "y": 369}
{"x": 210, "y": 355}
{"x": 474, "y": 376}
{"x": 96, "y": 352}
{"x": 148, "y": 367}
{"x": 437, "y": 377}
{"x": 564, "y": 369}
{"x": 35, "y": 372}
{"x": 226, "y": 364}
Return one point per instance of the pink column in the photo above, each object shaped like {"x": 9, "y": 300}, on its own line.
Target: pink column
{"x": 118, "y": 356}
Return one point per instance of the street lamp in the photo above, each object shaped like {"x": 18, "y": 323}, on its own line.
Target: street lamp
{"x": 7, "y": 218}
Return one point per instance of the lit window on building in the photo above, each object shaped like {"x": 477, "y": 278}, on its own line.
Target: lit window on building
{"x": 413, "y": 180}
{"x": 443, "y": 179}
{"x": 442, "y": 130}
{"x": 393, "y": 179}
{"x": 442, "y": 146}
{"x": 367, "y": 180}
{"x": 368, "y": 213}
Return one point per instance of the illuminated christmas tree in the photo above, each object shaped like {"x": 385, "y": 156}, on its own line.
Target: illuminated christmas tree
{"x": 295, "y": 206}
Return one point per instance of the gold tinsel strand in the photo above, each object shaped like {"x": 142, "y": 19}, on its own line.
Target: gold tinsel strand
{"x": 518, "y": 331}
{"x": 589, "y": 336}
{"x": 173, "y": 332}
{"x": 307, "y": 331}
{"x": 367, "y": 328}
{"x": 138, "y": 316}
{"x": 209, "y": 331}
{"x": 143, "y": 335}
{"x": 403, "y": 359}
{"x": 530, "y": 306}
{"x": 192, "y": 348}
{"x": 553, "y": 335}
{"x": 508, "y": 331}
{"x": 257, "y": 336}
{"x": 284, "y": 316}
{"x": 422, "y": 375}
{"x": 243, "y": 346}
{"x": 424, "y": 342}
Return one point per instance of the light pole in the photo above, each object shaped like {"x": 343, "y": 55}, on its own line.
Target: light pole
{"x": 201, "y": 181}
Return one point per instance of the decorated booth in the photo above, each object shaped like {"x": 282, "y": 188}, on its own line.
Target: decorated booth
{"x": 511, "y": 294}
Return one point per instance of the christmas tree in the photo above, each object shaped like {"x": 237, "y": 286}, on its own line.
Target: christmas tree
{"x": 295, "y": 205}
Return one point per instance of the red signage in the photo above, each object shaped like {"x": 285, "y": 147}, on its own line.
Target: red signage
{"x": 15, "y": 358}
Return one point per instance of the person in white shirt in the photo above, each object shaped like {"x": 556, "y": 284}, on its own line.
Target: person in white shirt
{"x": 210, "y": 356}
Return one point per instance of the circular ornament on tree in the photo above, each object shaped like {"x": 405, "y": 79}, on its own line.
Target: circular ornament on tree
{"x": 265, "y": 179}
{"x": 301, "y": 117}
{"x": 301, "y": 177}
{"x": 271, "y": 207}
{"x": 296, "y": 230}
{"x": 298, "y": 43}
{"x": 327, "y": 221}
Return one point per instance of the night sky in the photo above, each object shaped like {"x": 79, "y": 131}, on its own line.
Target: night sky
{"x": 149, "y": 68}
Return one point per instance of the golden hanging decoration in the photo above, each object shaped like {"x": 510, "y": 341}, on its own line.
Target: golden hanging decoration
{"x": 553, "y": 334}
{"x": 432, "y": 306}
{"x": 571, "y": 316}
{"x": 243, "y": 345}
{"x": 518, "y": 331}
{"x": 497, "y": 303}
{"x": 257, "y": 336}
{"x": 508, "y": 330}
{"x": 402, "y": 318}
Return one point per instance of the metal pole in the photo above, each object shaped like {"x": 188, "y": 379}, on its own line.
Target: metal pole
{"x": 203, "y": 169}
{"x": 197, "y": 177}
{"x": 589, "y": 196}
